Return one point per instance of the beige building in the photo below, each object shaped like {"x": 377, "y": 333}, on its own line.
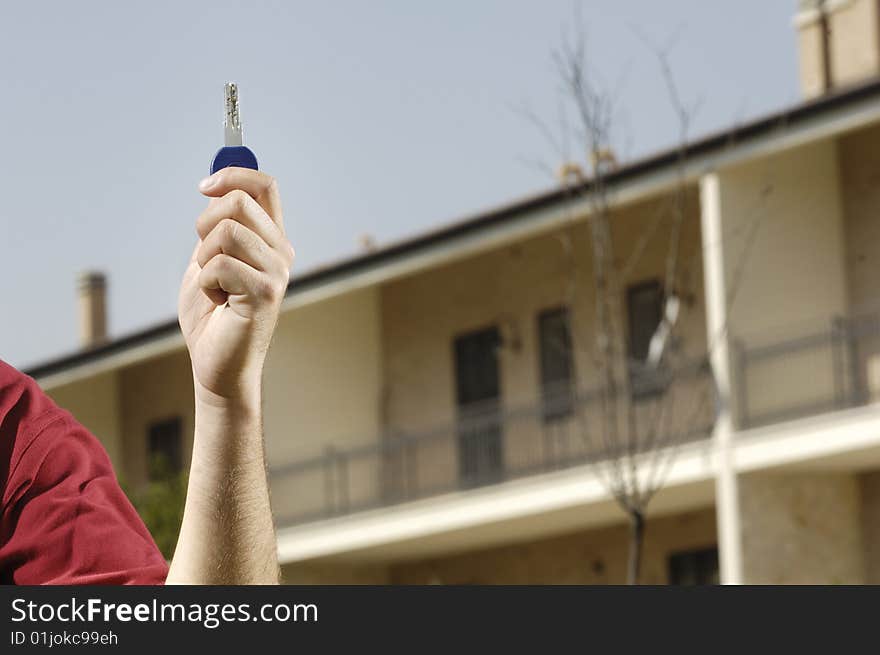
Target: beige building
{"x": 382, "y": 471}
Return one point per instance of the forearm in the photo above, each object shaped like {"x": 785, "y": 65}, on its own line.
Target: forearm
{"x": 227, "y": 535}
{"x": 228, "y": 306}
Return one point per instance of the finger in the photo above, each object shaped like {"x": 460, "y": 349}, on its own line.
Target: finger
{"x": 195, "y": 251}
{"x": 239, "y": 206}
{"x": 237, "y": 240}
{"x": 258, "y": 185}
{"x": 225, "y": 276}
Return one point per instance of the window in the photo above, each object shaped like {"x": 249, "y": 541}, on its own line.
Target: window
{"x": 695, "y": 567}
{"x": 644, "y": 305}
{"x": 554, "y": 343}
{"x": 165, "y": 454}
{"x": 477, "y": 394}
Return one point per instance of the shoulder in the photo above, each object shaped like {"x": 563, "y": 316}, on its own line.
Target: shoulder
{"x": 26, "y": 412}
{"x": 63, "y": 517}
{"x": 21, "y": 398}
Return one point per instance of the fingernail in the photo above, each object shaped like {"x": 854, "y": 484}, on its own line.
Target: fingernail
{"x": 207, "y": 183}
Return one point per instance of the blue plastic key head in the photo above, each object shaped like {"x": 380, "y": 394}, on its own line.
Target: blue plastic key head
{"x": 233, "y": 153}
{"x": 234, "y": 156}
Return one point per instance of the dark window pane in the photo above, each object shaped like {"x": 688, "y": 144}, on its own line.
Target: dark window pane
{"x": 554, "y": 343}
{"x": 477, "y": 391}
{"x": 165, "y": 448}
{"x": 644, "y": 304}
{"x": 696, "y": 567}
{"x": 476, "y": 366}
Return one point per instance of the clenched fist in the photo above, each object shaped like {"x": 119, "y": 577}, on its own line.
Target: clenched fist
{"x": 233, "y": 287}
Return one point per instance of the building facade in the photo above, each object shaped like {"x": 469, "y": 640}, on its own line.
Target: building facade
{"x": 415, "y": 428}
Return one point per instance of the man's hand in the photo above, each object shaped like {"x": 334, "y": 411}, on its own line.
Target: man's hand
{"x": 228, "y": 307}
{"x": 233, "y": 287}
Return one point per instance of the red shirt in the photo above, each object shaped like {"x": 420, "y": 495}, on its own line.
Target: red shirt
{"x": 63, "y": 517}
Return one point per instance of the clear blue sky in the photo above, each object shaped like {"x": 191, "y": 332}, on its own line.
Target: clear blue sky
{"x": 383, "y": 117}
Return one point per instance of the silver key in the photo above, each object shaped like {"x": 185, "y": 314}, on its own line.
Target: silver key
{"x": 232, "y": 122}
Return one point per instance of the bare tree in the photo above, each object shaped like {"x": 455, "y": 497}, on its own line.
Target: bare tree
{"x": 647, "y": 404}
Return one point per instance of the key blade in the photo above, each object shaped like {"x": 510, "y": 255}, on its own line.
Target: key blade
{"x": 232, "y": 120}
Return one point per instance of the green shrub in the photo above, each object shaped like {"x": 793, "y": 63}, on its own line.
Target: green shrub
{"x": 160, "y": 503}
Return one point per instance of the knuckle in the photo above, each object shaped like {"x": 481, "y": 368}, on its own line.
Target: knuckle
{"x": 206, "y": 276}
{"x": 279, "y": 290}
{"x": 202, "y": 225}
{"x": 223, "y": 263}
{"x": 228, "y": 230}
{"x": 271, "y": 288}
{"x": 268, "y": 224}
{"x": 238, "y": 198}
{"x": 281, "y": 266}
{"x": 264, "y": 288}
{"x": 202, "y": 254}
{"x": 271, "y": 184}
{"x": 281, "y": 284}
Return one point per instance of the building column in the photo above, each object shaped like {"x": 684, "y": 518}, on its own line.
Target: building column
{"x": 726, "y": 484}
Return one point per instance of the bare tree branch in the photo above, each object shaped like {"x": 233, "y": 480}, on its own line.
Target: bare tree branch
{"x": 640, "y": 414}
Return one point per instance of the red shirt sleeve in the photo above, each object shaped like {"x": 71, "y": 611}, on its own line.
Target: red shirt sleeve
{"x": 65, "y": 520}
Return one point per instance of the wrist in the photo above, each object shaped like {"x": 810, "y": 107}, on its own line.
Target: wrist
{"x": 228, "y": 432}
{"x": 243, "y": 402}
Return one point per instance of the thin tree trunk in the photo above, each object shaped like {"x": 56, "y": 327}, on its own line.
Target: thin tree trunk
{"x": 636, "y": 539}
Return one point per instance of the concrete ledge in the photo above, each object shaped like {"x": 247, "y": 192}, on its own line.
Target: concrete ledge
{"x": 542, "y": 505}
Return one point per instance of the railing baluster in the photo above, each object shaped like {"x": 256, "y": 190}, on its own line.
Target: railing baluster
{"x": 343, "y": 482}
{"x": 329, "y": 484}
{"x": 857, "y": 395}
{"x": 741, "y": 356}
{"x": 411, "y": 468}
{"x": 837, "y": 363}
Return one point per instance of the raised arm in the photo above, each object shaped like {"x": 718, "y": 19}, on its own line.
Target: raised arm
{"x": 228, "y": 307}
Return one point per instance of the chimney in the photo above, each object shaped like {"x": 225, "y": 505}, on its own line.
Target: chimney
{"x": 367, "y": 242}
{"x": 92, "y": 300}
{"x": 838, "y": 43}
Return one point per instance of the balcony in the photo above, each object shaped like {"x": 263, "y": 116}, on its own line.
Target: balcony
{"x": 489, "y": 444}
{"x": 798, "y": 374}
{"x": 833, "y": 367}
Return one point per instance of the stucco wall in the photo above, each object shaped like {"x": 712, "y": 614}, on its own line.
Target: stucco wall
{"x": 322, "y": 388}
{"x": 801, "y": 528}
{"x": 334, "y": 574}
{"x": 859, "y": 157}
{"x": 785, "y": 270}
{"x": 859, "y": 154}
{"x": 792, "y": 272}
{"x": 95, "y": 403}
{"x": 156, "y": 390}
{"x": 869, "y": 487}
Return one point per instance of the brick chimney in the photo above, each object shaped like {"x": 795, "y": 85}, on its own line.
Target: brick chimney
{"x": 92, "y": 301}
{"x": 838, "y": 43}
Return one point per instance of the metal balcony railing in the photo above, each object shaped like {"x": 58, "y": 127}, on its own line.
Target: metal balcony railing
{"x": 834, "y": 367}
{"x": 827, "y": 369}
{"x": 489, "y": 444}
